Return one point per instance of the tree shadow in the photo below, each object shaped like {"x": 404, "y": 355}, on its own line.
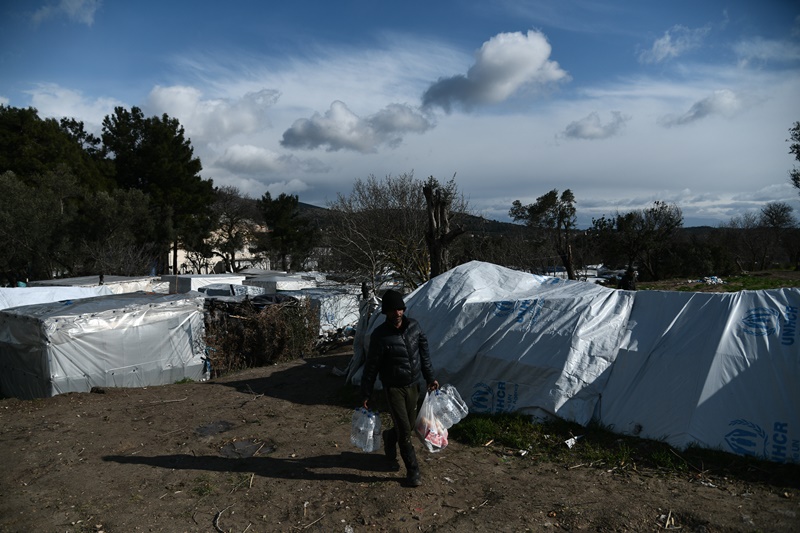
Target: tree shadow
{"x": 312, "y": 382}
{"x": 368, "y": 468}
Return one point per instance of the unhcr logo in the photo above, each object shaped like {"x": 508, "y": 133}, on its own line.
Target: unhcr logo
{"x": 760, "y": 321}
{"x": 503, "y": 309}
{"x": 482, "y": 398}
{"x": 498, "y": 398}
{"x": 747, "y": 439}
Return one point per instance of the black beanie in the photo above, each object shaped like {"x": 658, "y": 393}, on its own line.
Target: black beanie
{"x": 392, "y": 300}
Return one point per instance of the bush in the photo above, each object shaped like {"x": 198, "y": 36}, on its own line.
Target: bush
{"x": 244, "y": 336}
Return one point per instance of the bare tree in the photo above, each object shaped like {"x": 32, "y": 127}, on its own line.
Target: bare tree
{"x": 443, "y": 203}
{"x": 378, "y": 231}
{"x": 777, "y": 220}
{"x": 745, "y": 238}
{"x": 235, "y": 215}
{"x": 794, "y": 149}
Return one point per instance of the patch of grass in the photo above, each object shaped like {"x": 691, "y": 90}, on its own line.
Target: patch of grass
{"x": 202, "y": 486}
{"x": 758, "y": 282}
{"x": 768, "y": 279}
{"x": 601, "y": 448}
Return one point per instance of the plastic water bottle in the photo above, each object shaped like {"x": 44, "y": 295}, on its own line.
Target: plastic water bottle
{"x": 357, "y": 428}
{"x": 376, "y": 432}
{"x": 206, "y": 369}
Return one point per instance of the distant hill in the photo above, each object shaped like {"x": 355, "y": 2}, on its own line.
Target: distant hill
{"x": 473, "y": 224}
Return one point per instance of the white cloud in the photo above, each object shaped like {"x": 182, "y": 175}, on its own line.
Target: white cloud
{"x": 723, "y": 103}
{"x": 4, "y": 101}
{"x": 762, "y": 50}
{"x": 675, "y": 42}
{"x": 80, "y": 11}
{"x": 51, "y": 100}
{"x": 590, "y": 126}
{"x": 367, "y": 78}
{"x": 287, "y": 187}
{"x": 249, "y": 159}
{"x": 341, "y": 129}
{"x": 214, "y": 119}
{"x": 504, "y": 65}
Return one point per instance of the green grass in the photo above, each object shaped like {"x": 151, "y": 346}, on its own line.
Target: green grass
{"x": 770, "y": 279}
{"x": 202, "y": 486}
{"x": 757, "y": 282}
{"x": 518, "y": 435}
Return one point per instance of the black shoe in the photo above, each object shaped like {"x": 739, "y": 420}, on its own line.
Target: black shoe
{"x": 414, "y": 480}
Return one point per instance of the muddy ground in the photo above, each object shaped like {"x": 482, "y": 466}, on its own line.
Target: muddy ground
{"x": 268, "y": 449}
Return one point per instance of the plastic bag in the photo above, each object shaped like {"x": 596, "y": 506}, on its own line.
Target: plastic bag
{"x": 365, "y": 430}
{"x": 429, "y": 427}
{"x": 449, "y": 408}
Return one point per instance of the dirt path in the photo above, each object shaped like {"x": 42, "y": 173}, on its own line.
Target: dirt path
{"x": 268, "y": 450}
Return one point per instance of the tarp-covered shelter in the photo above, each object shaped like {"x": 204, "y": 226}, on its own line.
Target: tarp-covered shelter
{"x": 181, "y": 283}
{"x": 115, "y": 284}
{"x": 337, "y": 307}
{"x": 126, "y": 340}
{"x": 18, "y": 296}
{"x": 717, "y": 370}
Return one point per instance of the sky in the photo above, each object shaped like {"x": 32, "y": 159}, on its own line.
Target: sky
{"x": 623, "y": 102}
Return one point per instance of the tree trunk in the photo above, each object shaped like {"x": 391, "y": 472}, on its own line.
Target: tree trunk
{"x": 439, "y": 236}
{"x": 175, "y": 257}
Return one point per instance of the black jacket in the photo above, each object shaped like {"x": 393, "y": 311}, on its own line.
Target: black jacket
{"x": 398, "y": 356}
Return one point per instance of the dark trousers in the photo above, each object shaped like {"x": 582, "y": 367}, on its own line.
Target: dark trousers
{"x": 403, "y": 408}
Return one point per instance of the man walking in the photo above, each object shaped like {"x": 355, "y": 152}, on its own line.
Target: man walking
{"x": 398, "y": 352}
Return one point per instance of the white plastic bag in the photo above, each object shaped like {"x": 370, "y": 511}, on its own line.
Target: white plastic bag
{"x": 365, "y": 430}
{"x": 429, "y": 427}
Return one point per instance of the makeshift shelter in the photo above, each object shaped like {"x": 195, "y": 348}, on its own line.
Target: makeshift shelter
{"x": 231, "y": 289}
{"x": 127, "y": 340}
{"x": 115, "y": 284}
{"x": 182, "y": 283}
{"x": 277, "y": 282}
{"x": 714, "y": 370}
{"x": 721, "y": 370}
{"x": 337, "y": 307}
{"x": 18, "y": 296}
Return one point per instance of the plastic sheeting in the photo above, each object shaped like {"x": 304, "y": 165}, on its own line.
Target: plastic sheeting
{"x": 18, "y": 296}
{"x": 714, "y": 370}
{"x": 337, "y": 308}
{"x": 182, "y": 283}
{"x": 721, "y": 370}
{"x": 115, "y": 284}
{"x": 128, "y": 340}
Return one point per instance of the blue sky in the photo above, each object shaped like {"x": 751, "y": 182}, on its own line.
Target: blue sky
{"x": 623, "y": 102}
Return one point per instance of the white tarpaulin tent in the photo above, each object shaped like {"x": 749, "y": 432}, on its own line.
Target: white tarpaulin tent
{"x": 337, "y": 307}
{"x": 115, "y": 284}
{"x": 17, "y": 296}
{"x": 715, "y": 370}
{"x": 126, "y": 340}
{"x": 721, "y": 370}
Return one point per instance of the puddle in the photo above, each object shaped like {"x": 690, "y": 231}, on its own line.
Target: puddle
{"x": 240, "y": 449}
{"x": 213, "y": 428}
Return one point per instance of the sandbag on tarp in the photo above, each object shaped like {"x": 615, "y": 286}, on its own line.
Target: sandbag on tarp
{"x": 126, "y": 340}
{"x": 719, "y": 370}
{"x": 513, "y": 341}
